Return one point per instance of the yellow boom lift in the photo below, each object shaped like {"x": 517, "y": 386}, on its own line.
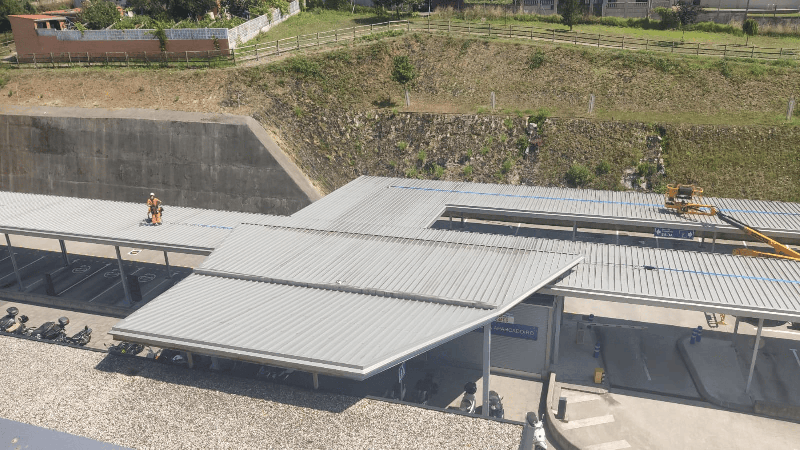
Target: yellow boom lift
{"x": 687, "y": 199}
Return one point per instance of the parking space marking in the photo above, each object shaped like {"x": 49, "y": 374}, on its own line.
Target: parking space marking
{"x": 580, "y": 397}
{"x": 646, "y": 372}
{"x": 155, "y": 287}
{"x": 591, "y": 421}
{"x": 113, "y": 285}
{"x": 782, "y": 332}
{"x": 82, "y": 280}
{"x": 794, "y": 350}
{"x": 20, "y": 269}
{"x": 613, "y": 445}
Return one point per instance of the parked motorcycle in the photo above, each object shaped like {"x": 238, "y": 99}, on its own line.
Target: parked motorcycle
{"x": 539, "y": 440}
{"x": 397, "y": 392}
{"x": 52, "y": 331}
{"x": 10, "y": 323}
{"x": 126, "y": 348}
{"x": 426, "y": 389}
{"x": 496, "y": 405}
{"x": 468, "y": 403}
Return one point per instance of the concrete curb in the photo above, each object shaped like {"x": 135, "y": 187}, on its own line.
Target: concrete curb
{"x": 553, "y": 430}
{"x": 63, "y": 303}
{"x": 701, "y": 388}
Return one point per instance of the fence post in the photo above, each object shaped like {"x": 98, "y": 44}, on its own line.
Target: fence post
{"x": 575, "y": 38}
{"x": 752, "y": 51}
{"x": 370, "y": 28}
{"x": 509, "y": 31}
{"x": 429, "y": 24}
{"x": 278, "y": 47}
{"x": 790, "y": 109}
{"x": 88, "y": 59}
{"x": 69, "y": 59}
{"x": 698, "y": 49}
{"x": 448, "y": 26}
{"x": 127, "y": 63}
{"x": 623, "y": 42}
{"x": 673, "y": 47}
{"x": 780, "y": 55}
{"x": 725, "y": 51}
{"x": 147, "y": 61}
{"x": 647, "y": 44}
{"x": 490, "y": 30}
{"x": 318, "y": 44}
{"x": 469, "y": 28}
{"x": 34, "y": 62}
{"x": 106, "y": 58}
{"x": 258, "y": 58}
{"x": 354, "y": 33}
{"x": 554, "y": 35}
{"x": 408, "y": 25}
{"x": 336, "y": 35}
{"x": 208, "y": 57}
{"x": 598, "y": 40}
{"x": 187, "y": 59}
{"x": 52, "y": 60}
{"x": 298, "y": 41}
{"x": 233, "y": 54}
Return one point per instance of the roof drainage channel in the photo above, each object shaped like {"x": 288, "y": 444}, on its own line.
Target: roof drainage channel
{"x": 349, "y": 289}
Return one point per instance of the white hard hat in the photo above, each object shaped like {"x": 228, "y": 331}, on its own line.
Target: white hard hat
{"x": 152, "y": 195}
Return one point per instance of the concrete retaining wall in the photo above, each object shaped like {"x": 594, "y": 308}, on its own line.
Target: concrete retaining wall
{"x": 189, "y": 159}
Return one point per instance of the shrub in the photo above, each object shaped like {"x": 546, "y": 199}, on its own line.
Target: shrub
{"x": 578, "y": 175}
{"x": 437, "y": 172}
{"x": 539, "y": 117}
{"x": 750, "y": 28}
{"x": 603, "y": 167}
{"x": 422, "y": 156}
{"x": 403, "y": 71}
{"x": 669, "y": 18}
{"x": 402, "y": 145}
{"x": 484, "y": 150}
{"x": 99, "y": 14}
{"x": 536, "y": 60}
{"x": 411, "y": 173}
{"x": 646, "y": 169}
{"x": 507, "y": 165}
{"x": 467, "y": 171}
{"x": 522, "y": 144}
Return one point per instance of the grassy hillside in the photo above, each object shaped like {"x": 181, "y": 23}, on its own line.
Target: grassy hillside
{"x": 340, "y": 115}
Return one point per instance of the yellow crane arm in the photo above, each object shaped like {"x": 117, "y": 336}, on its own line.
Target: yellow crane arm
{"x": 783, "y": 251}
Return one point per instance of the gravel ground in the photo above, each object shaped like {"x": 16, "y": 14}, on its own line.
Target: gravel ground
{"x": 138, "y": 403}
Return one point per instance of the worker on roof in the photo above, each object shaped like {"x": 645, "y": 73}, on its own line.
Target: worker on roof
{"x": 154, "y": 209}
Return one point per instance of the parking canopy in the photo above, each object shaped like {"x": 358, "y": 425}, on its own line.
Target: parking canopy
{"x": 341, "y": 304}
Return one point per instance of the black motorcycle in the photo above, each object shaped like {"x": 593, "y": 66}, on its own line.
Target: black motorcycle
{"x": 496, "y": 405}
{"x": 126, "y": 348}
{"x": 10, "y": 323}
{"x": 425, "y": 389}
{"x": 52, "y": 331}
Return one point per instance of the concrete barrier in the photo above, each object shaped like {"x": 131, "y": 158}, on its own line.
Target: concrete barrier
{"x": 201, "y": 160}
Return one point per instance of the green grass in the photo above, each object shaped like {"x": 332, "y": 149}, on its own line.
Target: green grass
{"x": 317, "y": 20}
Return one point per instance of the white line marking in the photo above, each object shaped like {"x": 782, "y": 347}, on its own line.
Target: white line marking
{"x": 112, "y": 286}
{"x": 591, "y": 421}
{"x": 151, "y": 290}
{"x": 794, "y": 350}
{"x": 646, "y": 372}
{"x": 81, "y": 281}
{"x": 580, "y": 397}
{"x": 20, "y": 269}
{"x": 613, "y": 445}
{"x": 517, "y": 230}
{"x": 782, "y": 331}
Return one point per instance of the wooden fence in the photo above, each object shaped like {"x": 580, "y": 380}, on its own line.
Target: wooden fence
{"x": 272, "y": 49}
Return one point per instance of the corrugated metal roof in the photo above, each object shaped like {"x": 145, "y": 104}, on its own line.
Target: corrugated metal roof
{"x": 318, "y": 330}
{"x": 417, "y": 203}
{"x": 190, "y": 230}
{"x": 486, "y": 273}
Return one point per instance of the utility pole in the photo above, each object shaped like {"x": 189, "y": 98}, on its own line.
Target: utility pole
{"x": 746, "y": 10}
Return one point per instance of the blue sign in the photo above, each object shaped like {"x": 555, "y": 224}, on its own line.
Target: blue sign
{"x": 514, "y": 330}
{"x": 401, "y": 372}
{"x": 673, "y": 233}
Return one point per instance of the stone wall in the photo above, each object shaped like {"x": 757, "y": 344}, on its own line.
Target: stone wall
{"x": 189, "y": 159}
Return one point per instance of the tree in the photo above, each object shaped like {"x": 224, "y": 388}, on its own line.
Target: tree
{"x": 396, "y": 4}
{"x": 99, "y": 14}
{"x": 181, "y": 9}
{"x": 570, "y": 12}
{"x": 750, "y": 28}
{"x": 11, "y": 7}
{"x": 402, "y": 70}
{"x": 688, "y": 12}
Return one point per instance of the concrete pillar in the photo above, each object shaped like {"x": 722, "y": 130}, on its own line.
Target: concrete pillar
{"x": 64, "y": 252}
{"x": 122, "y": 277}
{"x": 13, "y": 261}
{"x": 755, "y": 353}
{"x": 166, "y": 261}
{"x": 316, "y": 380}
{"x": 487, "y": 348}
{"x": 462, "y": 220}
{"x": 549, "y": 344}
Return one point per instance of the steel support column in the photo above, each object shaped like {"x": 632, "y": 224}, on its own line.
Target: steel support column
{"x": 166, "y": 261}
{"x": 316, "y": 380}
{"x": 735, "y": 330}
{"x": 13, "y": 261}
{"x": 122, "y": 277}
{"x": 755, "y": 353}
{"x": 64, "y": 252}
{"x": 487, "y": 348}
{"x": 714, "y": 244}
{"x": 559, "y": 305}
{"x": 574, "y": 229}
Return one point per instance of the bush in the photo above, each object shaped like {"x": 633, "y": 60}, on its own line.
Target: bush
{"x": 646, "y": 169}
{"x": 603, "y": 167}
{"x": 669, "y": 18}
{"x": 750, "y": 28}
{"x": 403, "y": 71}
{"x": 467, "y": 171}
{"x": 411, "y": 173}
{"x": 422, "y": 156}
{"x": 578, "y": 175}
{"x": 402, "y": 145}
{"x": 522, "y": 144}
{"x": 437, "y": 172}
{"x": 539, "y": 117}
{"x": 536, "y": 60}
{"x": 507, "y": 165}
{"x": 99, "y": 14}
